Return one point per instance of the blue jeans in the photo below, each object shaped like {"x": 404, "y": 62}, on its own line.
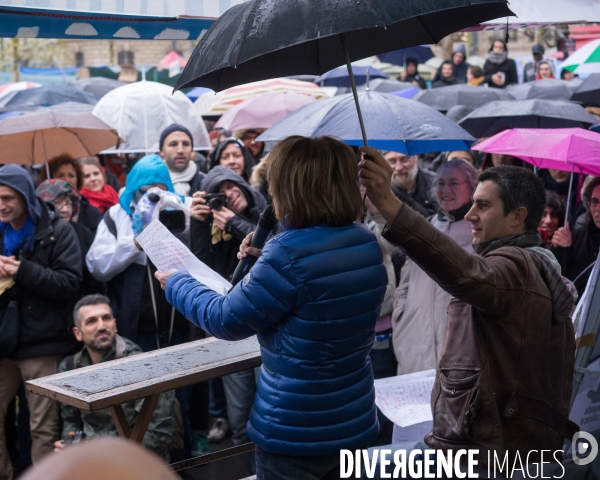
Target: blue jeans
{"x": 271, "y": 466}
{"x": 217, "y": 405}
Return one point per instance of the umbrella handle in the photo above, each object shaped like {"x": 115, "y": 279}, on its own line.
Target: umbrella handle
{"x": 353, "y": 84}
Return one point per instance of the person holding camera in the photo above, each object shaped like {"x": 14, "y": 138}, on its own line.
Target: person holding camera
{"x": 225, "y": 211}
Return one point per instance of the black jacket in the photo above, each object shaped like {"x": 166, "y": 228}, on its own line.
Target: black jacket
{"x": 89, "y": 216}
{"x": 46, "y": 286}
{"x": 89, "y": 285}
{"x": 222, "y": 257}
{"x": 509, "y": 69}
{"x": 422, "y": 200}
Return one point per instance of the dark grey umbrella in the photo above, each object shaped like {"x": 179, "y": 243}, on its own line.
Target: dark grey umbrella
{"x": 262, "y": 39}
{"x": 45, "y": 96}
{"x": 546, "y": 89}
{"x": 444, "y": 98}
{"x": 97, "y": 86}
{"x": 588, "y": 92}
{"x": 496, "y": 116}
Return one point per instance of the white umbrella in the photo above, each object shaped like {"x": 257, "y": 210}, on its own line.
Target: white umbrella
{"x": 139, "y": 112}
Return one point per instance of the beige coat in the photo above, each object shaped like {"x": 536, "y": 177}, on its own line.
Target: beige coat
{"x": 420, "y": 306}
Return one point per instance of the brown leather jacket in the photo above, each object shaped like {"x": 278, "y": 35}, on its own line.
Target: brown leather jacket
{"x": 506, "y": 368}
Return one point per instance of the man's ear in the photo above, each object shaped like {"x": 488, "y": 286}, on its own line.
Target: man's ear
{"x": 519, "y": 217}
{"x": 161, "y": 154}
{"x": 77, "y": 334}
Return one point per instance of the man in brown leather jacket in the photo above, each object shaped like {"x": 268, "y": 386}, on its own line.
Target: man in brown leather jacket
{"x": 506, "y": 368}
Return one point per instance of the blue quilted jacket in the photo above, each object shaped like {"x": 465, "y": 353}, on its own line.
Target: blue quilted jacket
{"x": 312, "y": 299}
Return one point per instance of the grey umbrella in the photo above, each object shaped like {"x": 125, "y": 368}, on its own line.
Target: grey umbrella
{"x": 496, "y": 116}
{"x": 45, "y": 96}
{"x": 588, "y": 92}
{"x": 97, "y": 86}
{"x": 444, "y": 98}
{"x": 386, "y": 85}
{"x": 546, "y": 89}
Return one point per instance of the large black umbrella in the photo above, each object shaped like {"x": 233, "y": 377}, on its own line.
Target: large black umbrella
{"x": 588, "y": 92}
{"x": 496, "y": 116}
{"x": 545, "y": 89}
{"x": 444, "y": 98}
{"x": 97, "y": 86}
{"x": 262, "y": 39}
{"x": 45, "y": 96}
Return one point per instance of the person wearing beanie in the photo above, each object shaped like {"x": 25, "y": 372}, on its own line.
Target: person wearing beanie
{"x": 176, "y": 149}
{"x": 531, "y": 68}
{"x": 499, "y": 70}
{"x": 411, "y": 74}
{"x": 40, "y": 276}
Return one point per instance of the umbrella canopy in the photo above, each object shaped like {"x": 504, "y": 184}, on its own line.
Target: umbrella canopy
{"x": 45, "y": 96}
{"x": 35, "y": 137}
{"x": 495, "y": 116}
{"x": 339, "y": 77}
{"x": 262, "y": 111}
{"x": 444, "y": 98}
{"x": 389, "y": 85}
{"x": 421, "y": 53}
{"x": 97, "y": 86}
{"x": 595, "y": 127}
{"x": 588, "y": 92}
{"x": 584, "y": 60}
{"x": 139, "y": 112}
{"x": 16, "y": 86}
{"x": 568, "y": 149}
{"x": 545, "y": 89}
{"x": 392, "y": 123}
{"x": 197, "y": 92}
{"x": 406, "y": 93}
{"x": 262, "y": 39}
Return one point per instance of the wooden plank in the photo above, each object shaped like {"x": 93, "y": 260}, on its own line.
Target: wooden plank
{"x": 120, "y": 420}
{"x": 147, "y": 374}
{"x": 143, "y": 419}
{"x": 212, "y": 457}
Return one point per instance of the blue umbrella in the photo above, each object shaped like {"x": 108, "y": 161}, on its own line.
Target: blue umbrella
{"x": 406, "y": 93}
{"x": 421, "y": 53}
{"x": 392, "y": 123}
{"x": 595, "y": 127}
{"x": 339, "y": 77}
{"x": 197, "y": 92}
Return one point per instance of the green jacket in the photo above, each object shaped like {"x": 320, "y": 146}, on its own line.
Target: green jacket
{"x": 100, "y": 423}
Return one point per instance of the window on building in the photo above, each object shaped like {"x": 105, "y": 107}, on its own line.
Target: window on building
{"x": 79, "y": 62}
{"x": 125, "y": 57}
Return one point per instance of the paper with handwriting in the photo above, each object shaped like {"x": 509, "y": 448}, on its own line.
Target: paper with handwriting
{"x": 405, "y": 399}
{"x": 168, "y": 253}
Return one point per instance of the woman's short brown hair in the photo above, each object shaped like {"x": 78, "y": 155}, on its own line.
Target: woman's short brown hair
{"x": 54, "y": 165}
{"x": 314, "y": 181}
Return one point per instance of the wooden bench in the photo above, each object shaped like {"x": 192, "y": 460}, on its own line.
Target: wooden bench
{"x": 147, "y": 375}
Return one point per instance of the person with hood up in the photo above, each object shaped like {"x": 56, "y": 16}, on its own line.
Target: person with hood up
{"x": 499, "y": 70}
{"x": 40, "y": 271}
{"x": 216, "y": 236}
{"x": 458, "y": 60}
{"x": 411, "y": 74}
{"x": 445, "y": 76}
{"x": 233, "y": 154}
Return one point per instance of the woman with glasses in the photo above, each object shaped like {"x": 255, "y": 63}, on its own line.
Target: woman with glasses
{"x": 419, "y": 314}
{"x": 66, "y": 202}
{"x": 578, "y": 250}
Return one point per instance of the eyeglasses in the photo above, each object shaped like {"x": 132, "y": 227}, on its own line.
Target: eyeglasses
{"x": 65, "y": 203}
{"x": 593, "y": 203}
{"x": 439, "y": 185}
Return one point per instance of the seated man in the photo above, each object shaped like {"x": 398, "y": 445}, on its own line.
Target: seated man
{"x": 96, "y": 327}
{"x": 505, "y": 371}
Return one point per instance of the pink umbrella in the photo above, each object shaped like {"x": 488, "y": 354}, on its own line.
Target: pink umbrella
{"x": 568, "y": 149}
{"x": 262, "y": 111}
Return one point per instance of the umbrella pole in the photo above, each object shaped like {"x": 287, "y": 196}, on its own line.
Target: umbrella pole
{"x": 45, "y": 156}
{"x": 569, "y": 195}
{"x": 353, "y": 84}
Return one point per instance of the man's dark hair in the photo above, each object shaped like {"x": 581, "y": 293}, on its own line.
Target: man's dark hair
{"x": 518, "y": 187}
{"x": 95, "y": 299}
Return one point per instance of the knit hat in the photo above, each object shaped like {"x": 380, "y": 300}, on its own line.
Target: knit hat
{"x": 174, "y": 127}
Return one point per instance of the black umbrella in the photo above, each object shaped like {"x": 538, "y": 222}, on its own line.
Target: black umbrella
{"x": 588, "y": 92}
{"x": 444, "y": 98}
{"x": 496, "y": 116}
{"x": 97, "y": 86}
{"x": 262, "y": 39}
{"x": 45, "y": 96}
{"x": 545, "y": 89}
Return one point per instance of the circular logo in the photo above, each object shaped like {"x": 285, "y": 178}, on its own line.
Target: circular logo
{"x": 584, "y": 448}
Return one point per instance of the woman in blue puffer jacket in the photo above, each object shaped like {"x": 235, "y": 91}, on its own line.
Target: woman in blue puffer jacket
{"x": 312, "y": 299}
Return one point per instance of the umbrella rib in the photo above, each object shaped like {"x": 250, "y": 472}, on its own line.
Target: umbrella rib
{"x": 79, "y": 140}
{"x": 427, "y": 30}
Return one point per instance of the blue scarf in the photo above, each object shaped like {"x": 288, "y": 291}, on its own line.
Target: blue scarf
{"x": 14, "y": 240}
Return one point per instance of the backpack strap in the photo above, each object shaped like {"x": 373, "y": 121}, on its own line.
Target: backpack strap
{"x": 110, "y": 223}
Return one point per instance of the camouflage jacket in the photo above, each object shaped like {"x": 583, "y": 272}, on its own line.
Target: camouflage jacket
{"x": 100, "y": 423}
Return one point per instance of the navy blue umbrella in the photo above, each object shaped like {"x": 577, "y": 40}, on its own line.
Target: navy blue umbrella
{"x": 392, "y": 123}
{"x": 339, "y": 77}
{"x": 421, "y": 53}
{"x": 45, "y": 96}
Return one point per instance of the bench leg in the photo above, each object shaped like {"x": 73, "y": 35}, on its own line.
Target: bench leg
{"x": 141, "y": 425}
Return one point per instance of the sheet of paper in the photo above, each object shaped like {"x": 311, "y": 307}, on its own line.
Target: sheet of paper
{"x": 405, "y": 399}
{"x": 168, "y": 253}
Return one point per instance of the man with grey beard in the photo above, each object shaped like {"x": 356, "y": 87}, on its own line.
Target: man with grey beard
{"x": 412, "y": 184}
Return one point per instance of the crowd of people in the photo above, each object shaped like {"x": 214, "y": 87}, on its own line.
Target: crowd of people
{"x": 82, "y": 291}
